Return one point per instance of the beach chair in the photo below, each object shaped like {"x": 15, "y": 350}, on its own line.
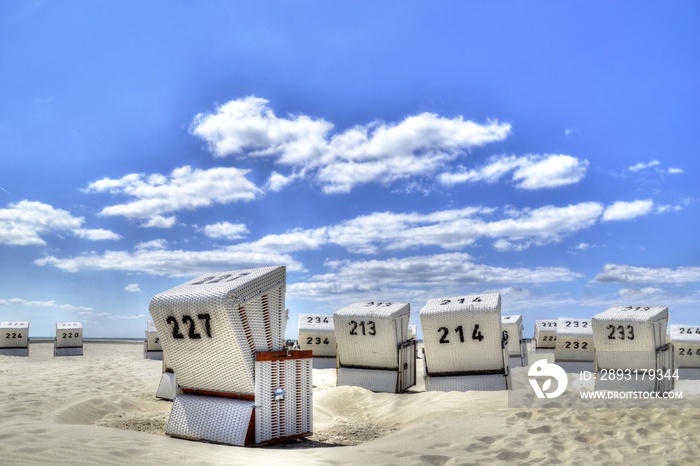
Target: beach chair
{"x": 574, "y": 350}
{"x": 632, "y": 352}
{"x": 224, "y": 335}
{"x": 464, "y": 346}
{"x": 413, "y": 331}
{"x": 545, "y": 340}
{"x": 14, "y": 338}
{"x": 317, "y": 334}
{"x": 685, "y": 340}
{"x": 69, "y": 339}
{"x": 152, "y": 348}
{"x": 374, "y": 350}
{"x": 512, "y": 328}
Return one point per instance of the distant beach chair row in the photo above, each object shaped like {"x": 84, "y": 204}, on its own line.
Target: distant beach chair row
{"x": 373, "y": 346}
{"x": 14, "y": 338}
{"x": 620, "y": 345}
{"x": 224, "y": 352}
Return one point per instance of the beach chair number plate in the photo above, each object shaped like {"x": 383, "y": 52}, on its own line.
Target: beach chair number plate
{"x": 576, "y": 324}
{"x": 368, "y": 328}
{"x": 460, "y": 301}
{"x": 317, "y": 320}
{"x": 622, "y": 332}
{"x": 688, "y": 352}
{"x": 9, "y": 336}
{"x": 576, "y": 345}
{"x": 317, "y": 341}
{"x": 476, "y": 334}
{"x": 70, "y": 335}
{"x": 189, "y": 322}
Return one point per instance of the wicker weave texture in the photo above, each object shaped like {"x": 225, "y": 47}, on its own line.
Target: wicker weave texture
{"x": 69, "y": 335}
{"x": 574, "y": 340}
{"x": 233, "y": 315}
{"x": 369, "y": 333}
{"x": 215, "y": 419}
{"x": 283, "y": 397}
{"x": 463, "y": 383}
{"x": 376, "y": 380}
{"x": 167, "y": 388}
{"x": 317, "y": 334}
{"x": 463, "y": 333}
{"x": 546, "y": 333}
{"x": 662, "y": 380}
{"x": 14, "y": 334}
{"x": 686, "y": 345}
{"x": 628, "y": 337}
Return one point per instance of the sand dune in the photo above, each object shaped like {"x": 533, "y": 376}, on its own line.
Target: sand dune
{"x": 100, "y": 409}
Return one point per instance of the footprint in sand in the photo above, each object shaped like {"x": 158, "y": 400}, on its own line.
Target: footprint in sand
{"x": 541, "y": 430}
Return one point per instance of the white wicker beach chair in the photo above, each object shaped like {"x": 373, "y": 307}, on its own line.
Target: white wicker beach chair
{"x": 374, "y": 350}
{"x": 224, "y": 337}
{"x": 632, "y": 340}
{"x": 575, "y": 349}
{"x": 152, "y": 348}
{"x": 512, "y": 328}
{"x": 317, "y": 334}
{"x": 464, "y": 347}
{"x": 685, "y": 340}
{"x": 69, "y": 339}
{"x": 14, "y": 338}
{"x": 545, "y": 335}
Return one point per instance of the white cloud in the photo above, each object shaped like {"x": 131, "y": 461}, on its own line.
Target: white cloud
{"x": 184, "y": 189}
{"x": 627, "y": 210}
{"x": 277, "y": 182}
{"x": 174, "y": 263}
{"x": 24, "y": 223}
{"x": 444, "y": 272}
{"x": 132, "y": 288}
{"x": 152, "y": 245}
{"x": 643, "y": 166}
{"x": 508, "y": 229}
{"x": 529, "y": 172}
{"x": 550, "y": 172}
{"x": 616, "y": 273}
{"x": 639, "y": 293}
{"x": 377, "y": 152}
{"x": 42, "y": 304}
{"x": 97, "y": 234}
{"x": 226, "y": 230}
{"x": 249, "y": 125}
{"x": 655, "y": 164}
{"x": 447, "y": 229}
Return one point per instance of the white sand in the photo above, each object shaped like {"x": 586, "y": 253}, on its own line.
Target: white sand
{"x": 101, "y": 409}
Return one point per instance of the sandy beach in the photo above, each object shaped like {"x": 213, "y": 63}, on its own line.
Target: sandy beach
{"x": 101, "y": 409}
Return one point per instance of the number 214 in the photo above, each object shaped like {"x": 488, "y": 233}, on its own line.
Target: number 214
{"x": 476, "y": 334}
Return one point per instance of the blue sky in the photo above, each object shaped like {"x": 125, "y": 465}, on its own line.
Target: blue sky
{"x": 380, "y": 150}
